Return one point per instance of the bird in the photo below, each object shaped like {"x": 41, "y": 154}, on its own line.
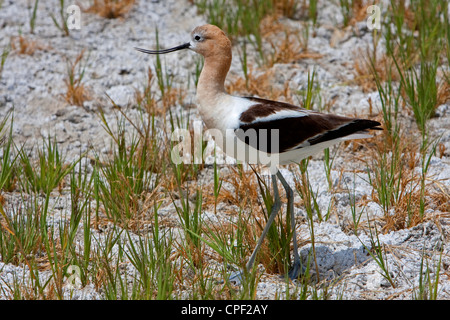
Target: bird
{"x": 261, "y": 131}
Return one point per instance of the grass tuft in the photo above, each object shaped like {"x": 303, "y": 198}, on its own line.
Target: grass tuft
{"x": 22, "y": 45}
{"x": 48, "y": 173}
{"x": 111, "y": 9}
{"x": 5, "y": 53}
{"x": 76, "y": 92}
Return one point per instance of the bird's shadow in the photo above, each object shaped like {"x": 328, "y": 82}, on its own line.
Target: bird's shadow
{"x": 332, "y": 264}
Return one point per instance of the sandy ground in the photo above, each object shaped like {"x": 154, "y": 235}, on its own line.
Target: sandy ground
{"x": 34, "y": 86}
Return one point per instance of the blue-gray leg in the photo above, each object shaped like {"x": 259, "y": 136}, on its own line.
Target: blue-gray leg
{"x": 297, "y": 268}
{"x": 236, "y": 277}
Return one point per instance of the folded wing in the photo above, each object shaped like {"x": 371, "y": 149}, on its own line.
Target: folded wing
{"x": 281, "y": 127}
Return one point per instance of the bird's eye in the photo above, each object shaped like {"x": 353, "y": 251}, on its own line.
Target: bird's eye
{"x": 197, "y": 38}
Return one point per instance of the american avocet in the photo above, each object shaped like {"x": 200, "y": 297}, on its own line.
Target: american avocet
{"x": 262, "y": 131}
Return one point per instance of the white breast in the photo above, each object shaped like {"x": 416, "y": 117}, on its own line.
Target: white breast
{"x": 223, "y": 112}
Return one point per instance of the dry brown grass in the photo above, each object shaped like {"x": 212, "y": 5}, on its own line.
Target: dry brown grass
{"x": 158, "y": 106}
{"x": 145, "y": 97}
{"x": 443, "y": 94}
{"x": 409, "y": 15}
{"x": 245, "y": 188}
{"x": 359, "y": 11}
{"x": 407, "y": 210}
{"x": 289, "y": 50}
{"x": 287, "y": 47}
{"x": 171, "y": 96}
{"x": 285, "y": 7}
{"x": 23, "y": 45}
{"x": 363, "y": 63}
{"x": 441, "y": 150}
{"x": 413, "y": 191}
{"x": 111, "y": 9}
{"x": 260, "y": 85}
{"x": 288, "y": 44}
{"x": 76, "y": 92}
{"x": 245, "y": 194}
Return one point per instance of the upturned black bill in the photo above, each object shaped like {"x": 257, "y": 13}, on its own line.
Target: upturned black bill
{"x": 181, "y": 47}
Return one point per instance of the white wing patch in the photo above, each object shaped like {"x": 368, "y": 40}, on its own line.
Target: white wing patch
{"x": 282, "y": 114}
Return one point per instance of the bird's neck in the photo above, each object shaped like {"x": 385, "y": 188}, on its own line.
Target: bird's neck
{"x": 211, "y": 83}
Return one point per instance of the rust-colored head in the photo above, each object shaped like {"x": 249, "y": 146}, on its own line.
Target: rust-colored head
{"x": 210, "y": 41}
{"x": 207, "y": 40}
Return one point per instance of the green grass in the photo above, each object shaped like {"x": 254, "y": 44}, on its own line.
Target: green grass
{"x": 163, "y": 77}
{"x": 312, "y": 11}
{"x": 356, "y": 216}
{"x": 428, "y": 288}
{"x": 190, "y": 216}
{"x": 346, "y": 7}
{"x": 131, "y": 173}
{"x": 378, "y": 253}
{"x": 387, "y": 176}
{"x": 390, "y": 96}
{"x": 244, "y": 20}
{"x": 7, "y": 164}
{"x": 76, "y": 93}
{"x": 62, "y": 23}
{"x": 151, "y": 258}
{"x": 23, "y": 236}
{"x": 417, "y": 58}
{"x": 410, "y": 82}
{"x": 33, "y": 16}
{"x": 421, "y": 91}
{"x": 5, "y": 53}
{"x": 48, "y": 173}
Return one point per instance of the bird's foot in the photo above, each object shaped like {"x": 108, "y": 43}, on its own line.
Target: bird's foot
{"x": 296, "y": 271}
{"x": 235, "y": 278}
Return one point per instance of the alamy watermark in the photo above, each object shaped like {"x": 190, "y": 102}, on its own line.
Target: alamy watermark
{"x": 74, "y": 279}
{"x": 374, "y": 20}
{"x": 74, "y": 19}
{"x": 239, "y": 144}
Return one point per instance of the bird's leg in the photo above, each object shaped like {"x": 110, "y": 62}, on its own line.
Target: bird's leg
{"x": 297, "y": 268}
{"x": 236, "y": 277}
